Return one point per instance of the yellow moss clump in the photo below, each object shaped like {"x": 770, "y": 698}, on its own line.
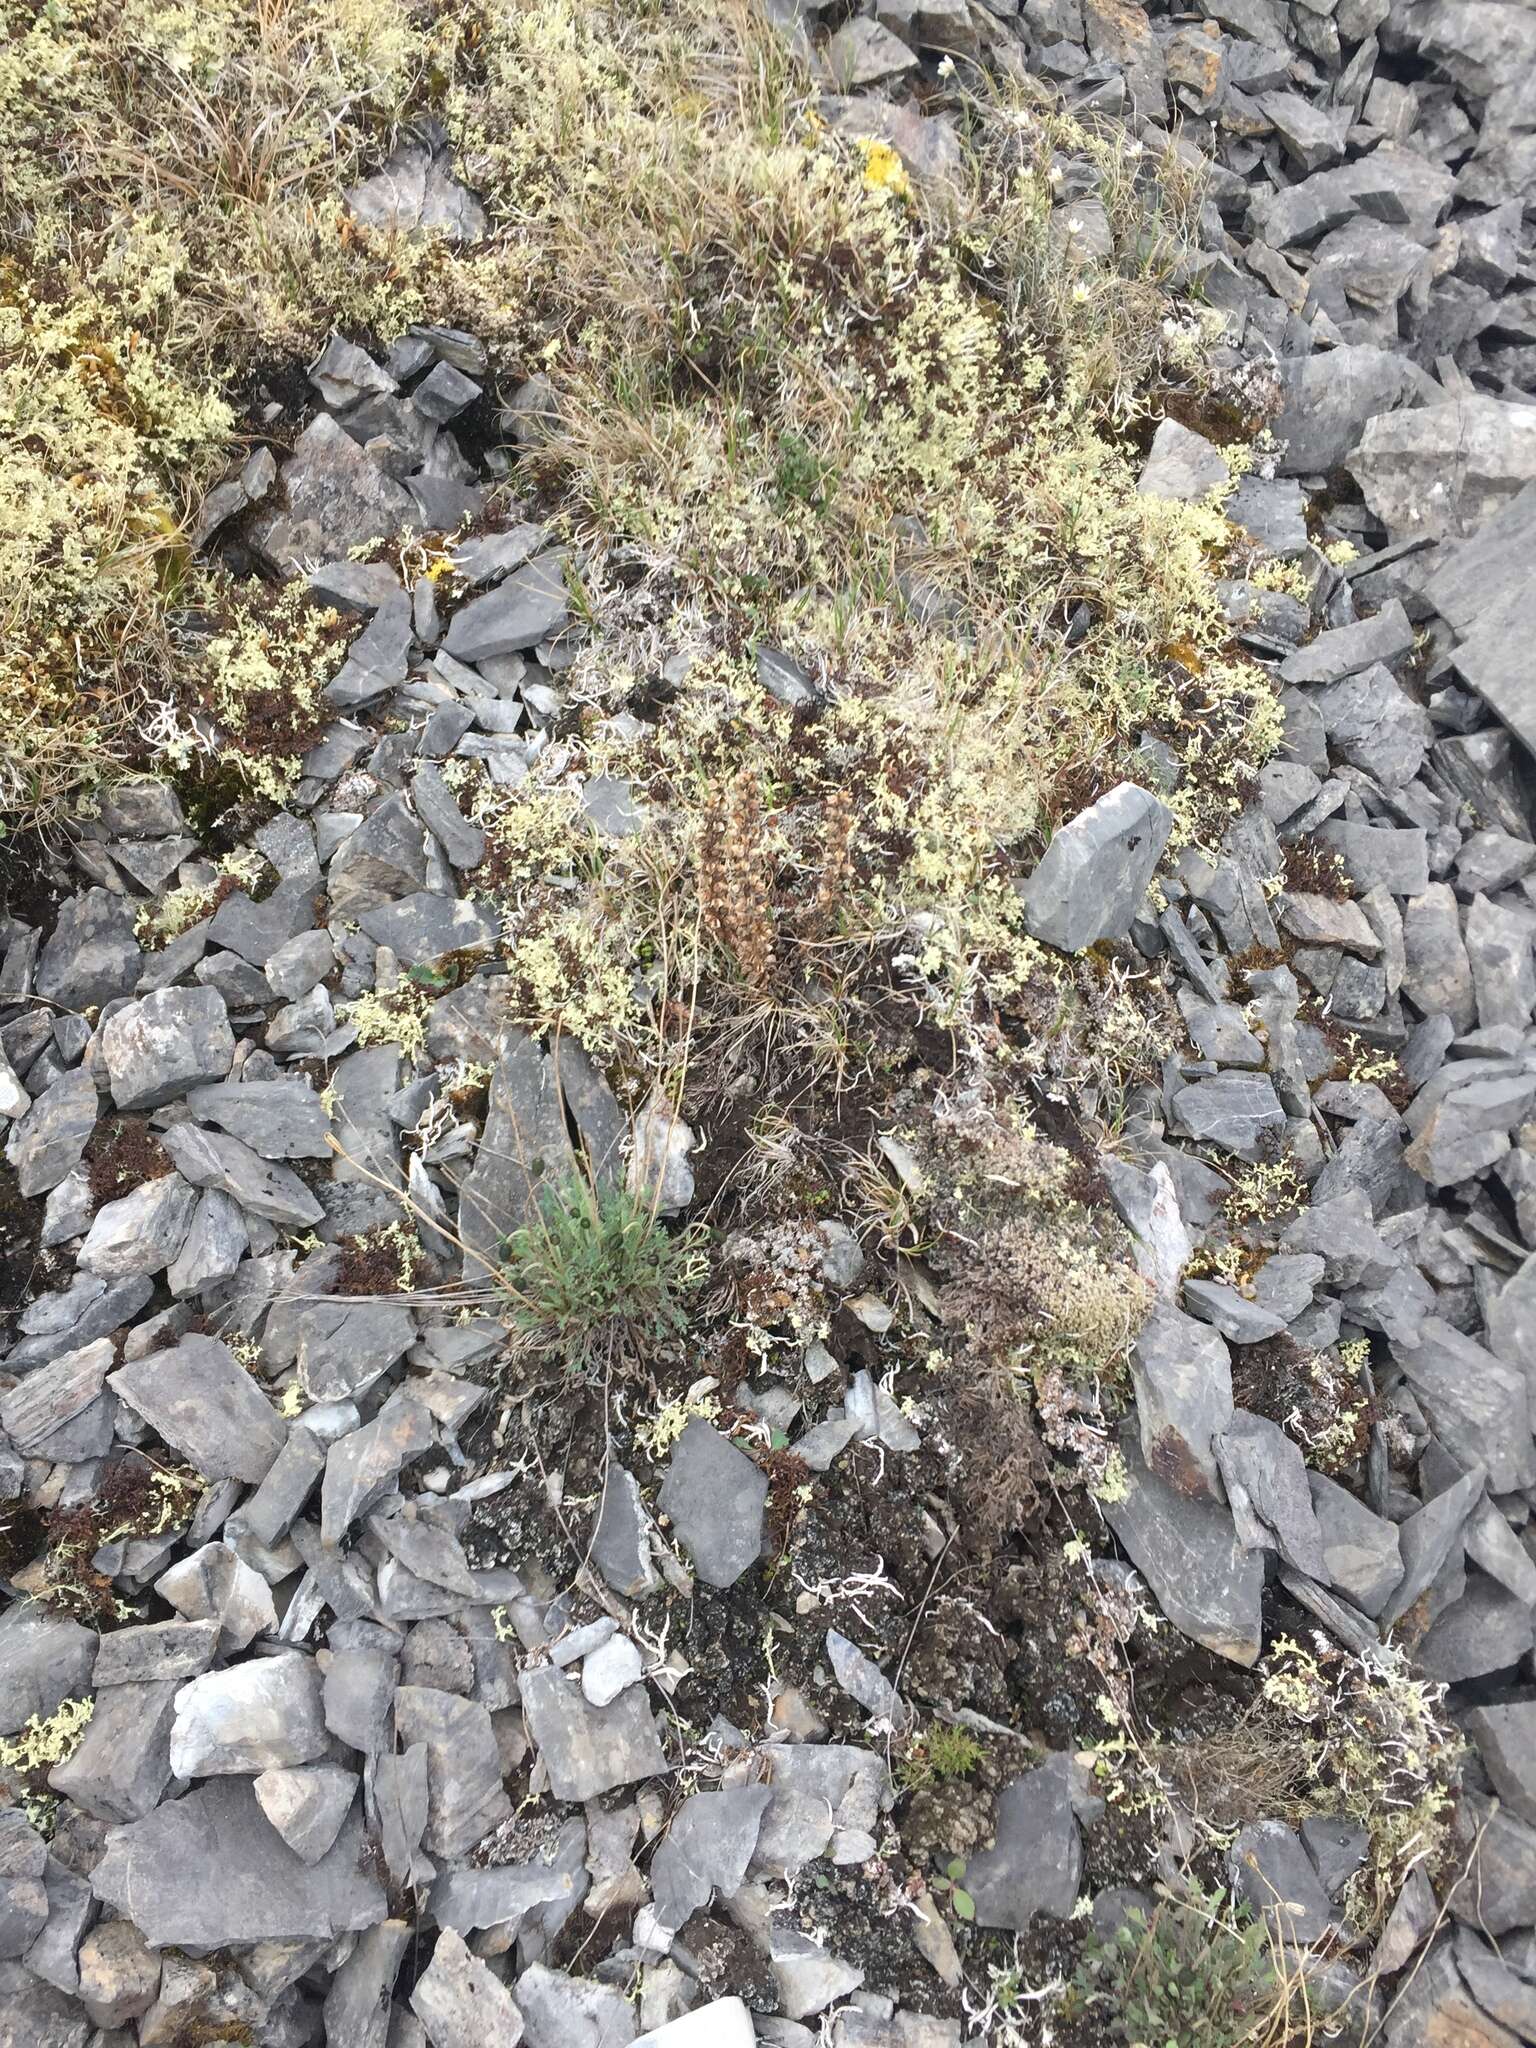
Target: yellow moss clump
{"x": 45, "y": 1741}
{"x": 395, "y": 1016}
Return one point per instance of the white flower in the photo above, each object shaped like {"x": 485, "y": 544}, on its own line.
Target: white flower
{"x": 946, "y": 67}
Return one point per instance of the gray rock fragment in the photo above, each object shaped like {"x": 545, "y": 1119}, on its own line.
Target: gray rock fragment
{"x": 1238, "y": 1112}
{"x": 331, "y": 497}
{"x": 1478, "y": 1407}
{"x": 466, "y": 1799}
{"x": 54, "y": 1395}
{"x": 278, "y": 1119}
{"x": 1266, "y": 1482}
{"x": 1360, "y": 1549}
{"x": 209, "y": 1869}
{"x": 706, "y": 1851}
{"x": 1093, "y": 876}
{"x": 1035, "y": 1864}
{"x": 572, "y": 2012}
{"x": 589, "y": 1750}
{"x": 157, "y": 1048}
{"x": 621, "y": 1548}
{"x": 715, "y": 1497}
{"x": 44, "y": 1659}
{"x": 1182, "y": 1376}
{"x": 92, "y": 954}
{"x": 357, "y": 2001}
{"x": 461, "y": 2003}
{"x": 306, "y": 1805}
{"x": 262, "y": 1715}
{"x": 1444, "y": 469}
{"x": 212, "y": 1159}
{"x": 122, "y": 1765}
{"x": 529, "y": 606}
{"x": 1274, "y": 1874}
{"x": 142, "y": 1232}
{"x": 47, "y": 1142}
{"x": 200, "y": 1402}
{"x": 827, "y": 1801}
{"x": 1201, "y": 1575}
{"x": 1182, "y": 465}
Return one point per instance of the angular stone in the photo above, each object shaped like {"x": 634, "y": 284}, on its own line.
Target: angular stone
{"x": 501, "y": 1896}
{"x": 358, "y": 2010}
{"x": 258, "y": 1716}
{"x": 362, "y": 1466}
{"x": 1202, "y": 1577}
{"x": 1501, "y": 945}
{"x": 524, "y": 1142}
{"x": 119, "y": 1974}
{"x": 331, "y": 498}
{"x": 1478, "y": 1407}
{"x": 209, "y": 1869}
{"x": 809, "y": 1976}
{"x": 211, "y": 1159}
{"x": 589, "y": 1750}
{"x": 54, "y": 1395}
{"x": 1429, "y": 1539}
{"x": 827, "y": 1801}
{"x": 1346, "y": 650}
{"x": 460, "y": 2003}
{"x": 1444, "y": 469}
{"x": 157, "y": 1048}
{"x": 1274, "y": 1874}
{"x": 1433, "y": 2005}
{"x": 23, "y": 1893}
{"x": 621, "y": 1548}
{"x": 1361, "y": 1550}
{"x": 466, "y": 1799}
{"x": 202, "y": 1404}
{"x": 214, "y": 1584}
{"x": 44, "y": 1660}
{"x": 706, "y": 1851}
{"x": 1266, "y": 1482}
{"x": 122, "y": 1765}
{"x": 156, "y": 1650}
{"x": 382, "y": 858}
{"x": 306, "y": 1805}
{"x": 142, "y": 1232}
{"x": 438, "y": 809}
{"x": 529, "y": 606}
{"x": 415, "y": 192}
{"x": 1469, "y": 1129}
{"x": 1036, "y": 1861}
{"x": 47, "y": 1142}
{"x": 610, "y": 1669}
{"x": 1496, "y": 1988}
{"x": 716, "y": 1498}
{"x": 1437, "y": 975}
{"x": 1488, "y": 1630}
{"x": 1337, "y": 1848}
{"x": 1330, "y": 396}
{"x": 216, "y": 1242}
{"x": 1182, "y": 465}
{"x": 1235, "y": 1111}
{"x": 1182, "y": 1376}
{"x": 1094, "y": 874}
{"x": 279, "y": 1119}
{"x": 92, "y": 954}
{"x": 424, "y": 930}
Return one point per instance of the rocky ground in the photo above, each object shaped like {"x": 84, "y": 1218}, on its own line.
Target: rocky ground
{"x": 626, "y": 1415}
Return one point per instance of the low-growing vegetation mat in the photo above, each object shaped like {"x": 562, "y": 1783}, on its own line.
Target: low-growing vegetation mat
{"x": 767, "y": 965}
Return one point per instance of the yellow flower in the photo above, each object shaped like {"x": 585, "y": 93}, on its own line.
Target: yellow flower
{"x": 884, "y": 170}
